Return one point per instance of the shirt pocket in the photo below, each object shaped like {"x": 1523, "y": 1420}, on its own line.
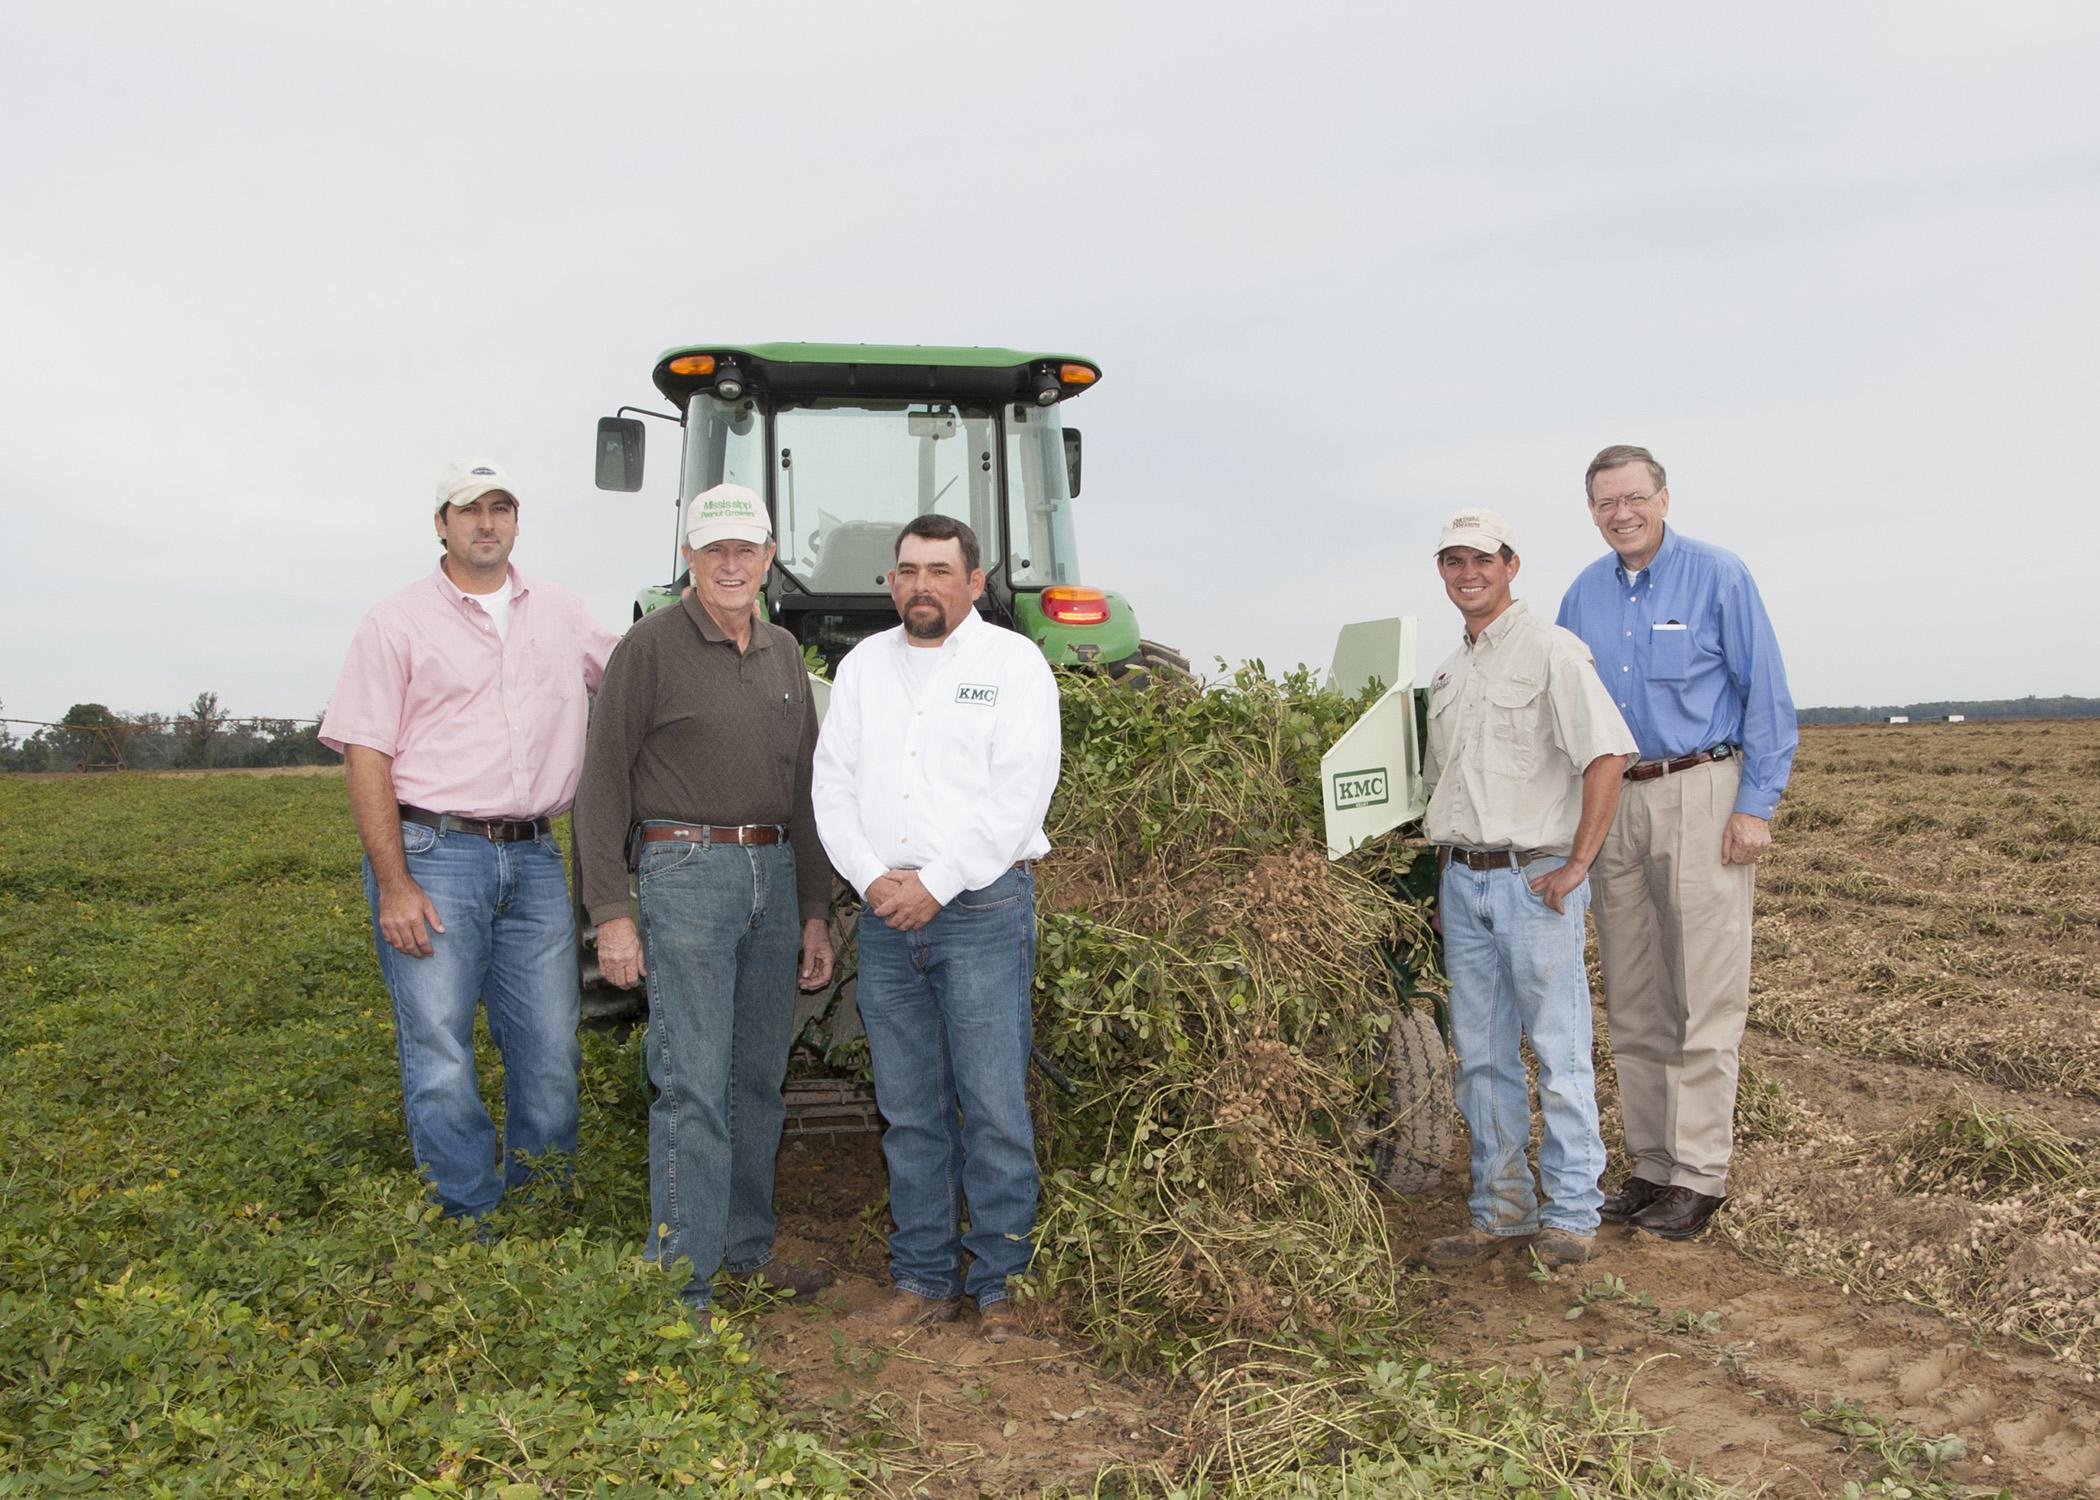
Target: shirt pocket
{"x": 1514, "y": 711}
{"x": 1669, "y": 653}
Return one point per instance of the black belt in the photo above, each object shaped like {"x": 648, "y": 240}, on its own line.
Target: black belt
{"x": 1648, "y": 770}
{"x": 1486, "y": 859}
{"x": 707, "y": 833}
{"x": 496, "y": 830}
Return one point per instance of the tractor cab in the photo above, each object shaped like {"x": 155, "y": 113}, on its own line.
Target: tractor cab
{"x": 848, "y": 442}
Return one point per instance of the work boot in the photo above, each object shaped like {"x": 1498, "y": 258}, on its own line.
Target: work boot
{"x": 1562, "y": 1247}
{"x": 778, "y": 1278}
{"x": 1635, "y": 1194}
{"x": 909, "y": 1310}
{"x": 995, "y": 1324}
{"x": 1472, "y": 1248}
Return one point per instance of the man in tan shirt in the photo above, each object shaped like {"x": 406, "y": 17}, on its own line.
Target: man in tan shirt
{"x": 1525, "y": 754}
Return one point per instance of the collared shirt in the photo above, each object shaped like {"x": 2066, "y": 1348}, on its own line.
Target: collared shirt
{"x": 691, "y": 730}
{"x": 477, "y": 724}
{"x": 1515, "y": 718}
{"x": 950, "y": 774}
{"x": 1688, "y": 654}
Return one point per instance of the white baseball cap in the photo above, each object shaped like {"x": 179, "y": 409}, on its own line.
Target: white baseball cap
{"x": 1482, "y": 530}
{"x": 727, "y": 513}
{"x": 464, "y": 483}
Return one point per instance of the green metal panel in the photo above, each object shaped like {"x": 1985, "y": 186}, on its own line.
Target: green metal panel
{"x": 1113, "y": 640}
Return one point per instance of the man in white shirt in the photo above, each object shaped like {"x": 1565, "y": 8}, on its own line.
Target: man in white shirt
{"x": 934, "y": 769}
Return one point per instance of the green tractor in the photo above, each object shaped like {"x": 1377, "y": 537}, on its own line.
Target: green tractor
{"x": 848, "y": 442}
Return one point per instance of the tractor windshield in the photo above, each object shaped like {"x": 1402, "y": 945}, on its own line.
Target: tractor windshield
{"x": 848, "y": 475}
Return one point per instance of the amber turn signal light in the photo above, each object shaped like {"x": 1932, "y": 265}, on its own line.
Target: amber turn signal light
{"x": 1075, "y": 606}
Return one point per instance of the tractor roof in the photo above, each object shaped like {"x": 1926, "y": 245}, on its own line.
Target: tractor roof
{"x": 886, "y": 370}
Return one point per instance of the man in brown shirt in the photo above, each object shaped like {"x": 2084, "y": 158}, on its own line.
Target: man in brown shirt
{"x": 700, "y": 747}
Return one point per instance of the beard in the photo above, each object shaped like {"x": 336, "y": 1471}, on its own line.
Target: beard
{"x": 922, "y": 627}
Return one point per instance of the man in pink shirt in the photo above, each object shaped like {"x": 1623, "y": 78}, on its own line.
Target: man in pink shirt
{"x": 460, "y": 716}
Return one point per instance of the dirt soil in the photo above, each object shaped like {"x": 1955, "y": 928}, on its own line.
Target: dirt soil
{"x": 942, "y": 1412}
{"x": 1727, "y": 1356}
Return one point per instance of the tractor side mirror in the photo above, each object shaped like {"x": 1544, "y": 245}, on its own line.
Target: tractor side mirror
{"x": 619, "y": 454}
{"x": 1071, "y": 435}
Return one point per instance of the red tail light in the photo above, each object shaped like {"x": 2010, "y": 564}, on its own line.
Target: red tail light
{"x": 1075, "y": 606}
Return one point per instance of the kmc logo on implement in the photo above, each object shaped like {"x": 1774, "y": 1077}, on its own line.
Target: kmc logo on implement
{"x": 977, "y": 692}
{"x": 1359, "y": 788}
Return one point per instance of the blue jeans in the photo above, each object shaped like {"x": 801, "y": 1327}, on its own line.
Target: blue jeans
{"x": 950, "y": 1029}
{"x": 1516, "y": 970}
{"x": 510, "y": 942}
{"x": 721, "y": 930}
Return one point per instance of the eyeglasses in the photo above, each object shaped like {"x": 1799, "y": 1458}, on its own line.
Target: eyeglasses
{"x": 1606, "y": 507}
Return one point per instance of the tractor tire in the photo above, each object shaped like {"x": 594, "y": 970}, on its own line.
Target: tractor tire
{"x": 1421, "y": 1109}
{"x": 1151, "y": 663}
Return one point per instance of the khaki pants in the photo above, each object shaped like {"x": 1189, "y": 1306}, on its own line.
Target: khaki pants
{"x": 1673, "y": 927}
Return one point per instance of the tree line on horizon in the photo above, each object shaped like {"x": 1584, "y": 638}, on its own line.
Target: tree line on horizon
{"x": 2029, "y": 707}
{"x": 92, "y": 737}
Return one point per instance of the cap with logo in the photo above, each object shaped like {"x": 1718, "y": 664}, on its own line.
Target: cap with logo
{"x": 1482, "y": 530}
{"x": 727, "y": 513}
{"x": 464, "y": 483}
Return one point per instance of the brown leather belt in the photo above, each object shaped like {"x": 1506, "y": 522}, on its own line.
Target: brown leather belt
{"x": 1648, "y": 770}
{"x": 495, "y": 830}
{"x": 702, "y": 833}
{"x": 1486, "y": 859}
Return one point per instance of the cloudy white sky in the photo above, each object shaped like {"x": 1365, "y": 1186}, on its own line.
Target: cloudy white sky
{"x": 264, "y": 269}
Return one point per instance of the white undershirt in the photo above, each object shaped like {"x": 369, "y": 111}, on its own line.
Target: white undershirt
{"x": 497, "y": 605}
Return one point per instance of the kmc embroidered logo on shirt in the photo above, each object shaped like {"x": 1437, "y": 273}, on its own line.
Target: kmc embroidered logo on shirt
{"x": 977, "y": 692}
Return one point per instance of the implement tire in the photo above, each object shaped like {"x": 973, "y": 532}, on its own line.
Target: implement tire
{"x": 1414, "y": 1141}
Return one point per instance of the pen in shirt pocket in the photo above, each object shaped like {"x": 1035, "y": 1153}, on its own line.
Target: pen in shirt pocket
{"x": 1668, "y": 625}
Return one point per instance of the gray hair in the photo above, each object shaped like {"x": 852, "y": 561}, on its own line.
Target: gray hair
{"x": 1617, "y": 456}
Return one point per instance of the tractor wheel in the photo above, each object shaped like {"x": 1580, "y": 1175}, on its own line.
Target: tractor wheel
{"x": 1151, "y": 663}
{"x": 1421, "y": 1110}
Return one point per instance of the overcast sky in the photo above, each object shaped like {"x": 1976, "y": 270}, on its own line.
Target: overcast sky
{"x": 264, "y": 269}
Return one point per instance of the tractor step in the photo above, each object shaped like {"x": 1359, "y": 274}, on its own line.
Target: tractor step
{"x": 830, "y": 1106}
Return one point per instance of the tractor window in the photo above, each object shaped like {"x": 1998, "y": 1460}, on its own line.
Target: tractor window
{"x": 1039, "y": 497}
{"x": 725, "y": 443}
{"x": 847, "y": 476}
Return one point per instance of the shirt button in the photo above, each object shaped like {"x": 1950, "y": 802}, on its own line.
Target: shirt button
{"x": 1625, "y": 669}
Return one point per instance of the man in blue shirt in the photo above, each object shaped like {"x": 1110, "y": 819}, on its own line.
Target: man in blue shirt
{"x": 1685, "y": 649}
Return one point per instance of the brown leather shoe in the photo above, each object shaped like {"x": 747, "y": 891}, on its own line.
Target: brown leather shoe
{"x": 995, "y": 1324}
{"x": 905, "y": 1309}
{"x": 1677, "y": 1213}
{"x": 1475, "y": 1246}
{"x": 780, "y": 1278}
{"x": 1635, "y": 1194}
{"x": 1562, "y": 1247}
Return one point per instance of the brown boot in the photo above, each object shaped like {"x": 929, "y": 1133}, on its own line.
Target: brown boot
{"x": 995, "y": 1324}
{"x": 1475, "y": 1246}
{"x": 904, "y": 1309}
{"x": 1562, "y": 1247}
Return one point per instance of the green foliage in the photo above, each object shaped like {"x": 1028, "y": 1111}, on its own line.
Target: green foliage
{"x": 218, "y": 1272}
{"x": 1219, "y": 995}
